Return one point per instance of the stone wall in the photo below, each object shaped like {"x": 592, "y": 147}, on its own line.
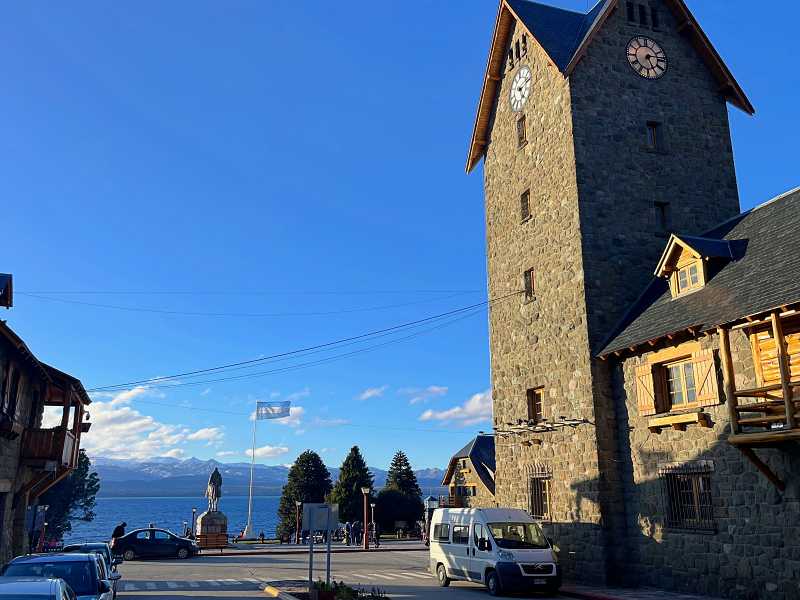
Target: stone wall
{"x": 543, "y": 342}
{"x": 483, "y": 497}
{"x": 755, "y": 550}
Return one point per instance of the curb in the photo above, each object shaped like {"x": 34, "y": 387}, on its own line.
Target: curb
{"x": 305, "y": 552}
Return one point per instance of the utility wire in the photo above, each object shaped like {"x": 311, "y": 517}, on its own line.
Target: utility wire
{"x": 170, "y": 384}
{"x": 185, "y": 313}
{"x": 370, "y": 334}
{"x": 207, "y": 292}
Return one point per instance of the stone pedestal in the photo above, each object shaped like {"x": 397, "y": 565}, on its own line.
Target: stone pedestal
{"x": 212, "y": 523}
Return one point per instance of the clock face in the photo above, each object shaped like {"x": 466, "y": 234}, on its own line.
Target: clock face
{"x": 520, "y": 89}
{"x": 646, "y": 57}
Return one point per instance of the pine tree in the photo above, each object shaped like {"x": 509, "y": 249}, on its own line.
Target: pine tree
{"x": 400, "y": 500}
{"x": 308, "y": 481}
{"x": 71, "y": 499}
{"x": 401, "y": 476}
{"x": 353, "y": 475}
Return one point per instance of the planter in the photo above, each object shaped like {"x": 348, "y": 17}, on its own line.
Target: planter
{"x": 322, "y": 595}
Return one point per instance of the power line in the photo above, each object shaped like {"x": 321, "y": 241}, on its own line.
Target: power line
{"x": 155, "y": 380}
{"x": 185, "y": 313}
{"x": 206, "y": 292}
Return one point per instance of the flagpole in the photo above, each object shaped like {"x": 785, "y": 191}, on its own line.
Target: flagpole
{"x": 248, "y": 530}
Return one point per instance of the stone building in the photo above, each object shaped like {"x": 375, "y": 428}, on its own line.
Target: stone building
{"x": 601, "y": 134}
{"x": 469, "y": 477}
{"x": 33, "y": 458}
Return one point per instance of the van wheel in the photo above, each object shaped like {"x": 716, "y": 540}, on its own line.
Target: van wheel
{"x": 493, "y": 584}
{"x": 183, "y": 553}
{"x": 441, "y": 576}
{"x": 128, "y": 555}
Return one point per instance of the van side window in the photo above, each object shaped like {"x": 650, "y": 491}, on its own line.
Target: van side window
{"x": 441, "y": 533}
{"x": 479, "y": 533}
{"x": 460, "y": 534}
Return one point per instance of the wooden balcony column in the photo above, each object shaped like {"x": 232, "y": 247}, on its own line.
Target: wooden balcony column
{"x": 76, "y": 431}
{"x": 65, "y": 414}
{"x": 783, "y": 365}
{"x": 729, "y": 376}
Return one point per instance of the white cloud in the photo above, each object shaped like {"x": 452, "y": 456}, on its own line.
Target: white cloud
{"x": 211, "y": 435}
{"x": 304, "y": 393}
{"x": 120, "y": 431}
{"x": 205, "y": 392}
{"x": 374, "y": 392}
{"x": 295, "y": 417}
{"x": 475, "y": 410}
{"x": 319, "y": 422}
{"x": 424, "y": 395}
{"x": 225, "y": 453}
{"x": 267, "y": 451}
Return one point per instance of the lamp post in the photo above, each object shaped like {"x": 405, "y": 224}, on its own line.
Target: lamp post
{"x": 365, "y": 491}
{"x": 194, "y": 521}
{"x": 297, "y": 505}
{"x": 374, "y": 529}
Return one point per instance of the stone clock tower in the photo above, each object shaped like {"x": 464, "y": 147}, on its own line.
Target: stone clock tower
{"x": 601, "y": 133}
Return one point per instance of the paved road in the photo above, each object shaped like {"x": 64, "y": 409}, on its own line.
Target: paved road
{"x": 400, "y": 574}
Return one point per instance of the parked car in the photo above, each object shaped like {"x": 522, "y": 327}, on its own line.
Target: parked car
{"x": 503, "y": 548}
{"x": 154, "y": 543}
{"x": 35, "y": 588}
{"x": 82, "y": 572}
{"x": 103, "y": 550}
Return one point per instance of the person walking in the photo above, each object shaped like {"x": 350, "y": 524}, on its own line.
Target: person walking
{"x": 348, "y": 530}
{"x": 118, "y": 532}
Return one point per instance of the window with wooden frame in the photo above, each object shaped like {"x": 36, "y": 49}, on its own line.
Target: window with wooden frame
{"x": 522, "y": 136}
{"x": 525, "y": 205}
{"x": 687, "y": 496}
{"x": 535, "y": 398}
{"x": 540, "y": 496}
{"x": 677, "y": 378}
{"x": 529, "y": 284}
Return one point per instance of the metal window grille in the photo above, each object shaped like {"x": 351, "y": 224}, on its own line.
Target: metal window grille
{"x": 687, "y": 496}
{"x": 525, "y": 198}
{"x": 540, "y": 497}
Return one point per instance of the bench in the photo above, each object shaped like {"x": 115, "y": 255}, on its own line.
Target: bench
{"x": 212, "y": 541}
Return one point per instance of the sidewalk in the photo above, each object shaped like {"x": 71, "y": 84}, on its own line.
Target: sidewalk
{"x": 260, "y": 549}
{"x": 591, "y": 592}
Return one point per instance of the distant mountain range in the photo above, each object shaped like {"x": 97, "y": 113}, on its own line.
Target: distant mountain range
{"x": 188, "y": 477}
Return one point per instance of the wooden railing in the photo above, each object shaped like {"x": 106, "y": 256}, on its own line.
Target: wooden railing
{"x": 451, "y": 502}
{"x": 56, "y": 444}
{"x": 765, "y": 408}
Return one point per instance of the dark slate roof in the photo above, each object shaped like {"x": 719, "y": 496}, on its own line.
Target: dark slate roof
{"x": 710, "y": 247}
{"x": 762, "y": 275}
{"x": 559, "y": 31}
{"x": 481, "y": 452}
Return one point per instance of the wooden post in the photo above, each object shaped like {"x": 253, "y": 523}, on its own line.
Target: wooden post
{"x": 729, "y": 376}
{"x": 783, "y": 365}
{"x": 65, "y": 414}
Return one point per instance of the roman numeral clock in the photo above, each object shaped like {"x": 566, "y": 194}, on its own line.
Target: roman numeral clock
{"x": 646, "y": 57}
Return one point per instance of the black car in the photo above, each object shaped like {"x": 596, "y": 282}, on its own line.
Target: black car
{"x": 153, "y": 543}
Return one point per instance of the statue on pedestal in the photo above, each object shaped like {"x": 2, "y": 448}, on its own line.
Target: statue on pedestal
{"x": 212, "y": 525}
{"x": 214, "y": 490}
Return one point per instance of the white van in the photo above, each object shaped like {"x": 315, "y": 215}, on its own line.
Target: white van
{"x": 503, "y": 548}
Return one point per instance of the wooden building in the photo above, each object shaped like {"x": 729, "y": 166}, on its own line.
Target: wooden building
{"x": 470, "y": 475}
{"x": 33, "y": 457}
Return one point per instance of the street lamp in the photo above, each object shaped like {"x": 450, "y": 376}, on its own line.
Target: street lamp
{"x": 374, "y": 529}
{"x": 194, "y": 521}
{"x": 365, "y": 491}
{"x": 297, "y": 505}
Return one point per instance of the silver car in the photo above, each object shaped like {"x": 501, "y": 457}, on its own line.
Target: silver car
{"x": 35, "y": 588}
{"x": 85, "y": 573}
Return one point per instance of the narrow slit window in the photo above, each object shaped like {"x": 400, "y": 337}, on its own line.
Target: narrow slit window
{"x": 522, "y": 137}
{"x": 529, "y": 286}
{"x": 631, "y": 12}
{"x": 655, "y": 136}
{"x": 661, "y": 216}
{"x": 510, "y": 58}
{"x": 524, "y": 45}
{"x": 643, "y": 15}
{"x": 516, "y": 50}
{"x": 654, "y": 18}
{"x": 525, "y": 205}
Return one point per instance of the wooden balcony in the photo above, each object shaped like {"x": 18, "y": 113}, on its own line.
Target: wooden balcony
{"x": 761, "y": 416}
{"x": 49, "y": 448}
{"x": 451, "y": 502}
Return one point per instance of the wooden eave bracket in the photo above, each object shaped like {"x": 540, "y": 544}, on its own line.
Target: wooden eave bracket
{"x": 750, "y": 454}
{"x": 678, "y": 422}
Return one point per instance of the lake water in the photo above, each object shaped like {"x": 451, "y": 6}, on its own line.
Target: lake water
{"x": 170, "y": 513}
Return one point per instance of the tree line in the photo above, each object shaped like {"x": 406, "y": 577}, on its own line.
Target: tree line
{"x": 310, "y": 481}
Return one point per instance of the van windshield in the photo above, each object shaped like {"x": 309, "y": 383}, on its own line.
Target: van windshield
{"x": 518, "y": 535}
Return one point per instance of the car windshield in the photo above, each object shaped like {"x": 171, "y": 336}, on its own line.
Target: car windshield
{"x": 518, "y": 535}
{"x": 78, "y": 574}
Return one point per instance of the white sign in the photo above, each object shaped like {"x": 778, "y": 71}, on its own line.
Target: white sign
{"x": 316, "y": 518}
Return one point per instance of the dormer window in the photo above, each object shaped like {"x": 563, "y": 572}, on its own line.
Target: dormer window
{"x": 685, "y": 262}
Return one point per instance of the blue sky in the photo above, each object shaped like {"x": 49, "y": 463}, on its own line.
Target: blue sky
{"x": 282, "y": 157}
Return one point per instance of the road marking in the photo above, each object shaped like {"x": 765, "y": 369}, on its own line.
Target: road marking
{"x": 172, "y": 585}
{"x": 421, "y": 575}
{"x": 379, "y": 575}
{"x": 150, "y": 585}
{"x": 401, "y": 575}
